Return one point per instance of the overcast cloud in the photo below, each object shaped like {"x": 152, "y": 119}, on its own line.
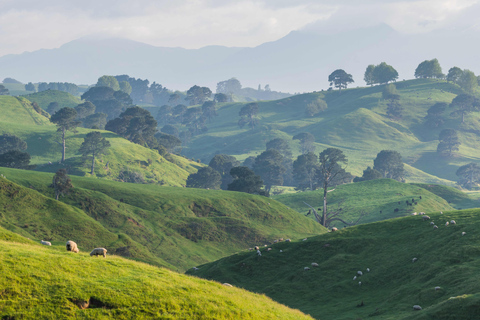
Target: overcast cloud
{"x": 28, "y": 25}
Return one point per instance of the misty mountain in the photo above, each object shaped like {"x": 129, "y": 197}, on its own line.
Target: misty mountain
{"x": 298, "y": 62}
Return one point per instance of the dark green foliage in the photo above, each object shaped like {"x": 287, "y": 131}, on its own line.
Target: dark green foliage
{"x": 4, "y": 91}
{"x": 208, "y": 109}
{"x": 168, "y": 141}
{"x": 61, "y": 183}
{"x": 434, "y": 117}
{"x": 108, "y": 101}
{"x": 30, "y": 87}
{"x": 369, "y": 174}
{"x": 135, "y": 124}
{"x": 245, "y": 180}
{"x": 449, "y": 142}
{"x": 125, "y": 87}
{"x": 206, "y": 178}
{"x": 65, "y": 119}
{"x": 174, "y": 98}
{"x": 384, "y": 73}
{"x": 469, "y": 175}
{"x": 131, "y": 177}
{"x": 465, "y": 104}
{"x": 160, "y": 95}
{"x": 195, "y": 120}
{"x": 429, "y": 69}
{"x": 59, "y": 86}
{"x": 368, "y": 76}
{"x": 306, "y": 142}
{"x": 198, "y": 95}
{"x": 178, "y": 112}
{"x": 269, "y": 166}
{"x": 282, "y": 146}
{"x": 84, "y": 110}
{"x": 468, "y": 81}
{"x": 94, "y": 145}
{"x": 394, "y": 108}
{"x": 169, "y": 129}
{"x": 389, "y": 164}
{"x": 108, "y": 81}
{"x": 249, "y": 161}
{"x": 139, "y": 87}
{"x": 340, "y": 79}
{"x": 454, "y": 74}
{"x": 223, "y": 163}
{"x": 164, "y": 115}
{"x": 53, "y": 107}
{"x": 9, "y": 142}
{"x": 95, "y": 121}
{"x": 248, "y": 115}
{"x": 15, "y": 159}
{"x": 315, "y": 107}
{"x": 305, "y": 170}
{"x": 231, "y": 86}
{"x": 220, "y": 97}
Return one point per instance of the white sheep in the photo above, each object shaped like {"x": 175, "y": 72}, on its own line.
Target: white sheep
{"x": 354, "y": 278}
{"x": 464, "y": 233}
{"x": 414, "y": 259}
{"x": 195, "y": 269}
{"x": 422, "y": 213}
{"x": 446, "y": 224}
{"x": 268, "y": 249}
{"x": 99, "y": 251}
{"x": 257, "y": 248}
{"x": 432, "y": 223}
{"x": 72, "y": 246}
{"x": 359, "y": 283}
{"x": 368, "y": 269}
{"x": 306, "y": 269}
{"x": 334, "y": 229}
{"x": 435, "y": 227}
{"x": 304, "y": 239}
{"x": 414, "y": 214}
{"x": 281, "y": 250}
{"x": 453, "y": 222}
{"x": 259, "y": 253}
{"x": 45, "y": 243}
{"x": 227, "y": 284}
{"x": 425, "y": 218}
{"x": 437, "y": 288}
{"x": 288, "y": 240}
{"x": 314, "y": 264}
{"x": 360, "y": 273}
{"x": 417, "y": 307}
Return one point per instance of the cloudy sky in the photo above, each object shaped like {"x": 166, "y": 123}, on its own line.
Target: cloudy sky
{"x": 28, "y": 25}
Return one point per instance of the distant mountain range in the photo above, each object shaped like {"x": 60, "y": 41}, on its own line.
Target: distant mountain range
{"x": 298, "y": 62}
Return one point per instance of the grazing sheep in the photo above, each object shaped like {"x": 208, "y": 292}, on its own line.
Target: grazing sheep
{"x": 288, "y": 240}
{"x": 45, "y": 243}
{"x": 446, "y": 224}
{"x": 453, "y": 222}
{"x": 435, "y": 227}
{"x": 268, "y": 249}
{"x": 334, "y": 229}
{"x": 314, "y": 264}
{"x": 414, "y": 259}
{"x": 360, "y": 273}
{"x": 359, "y": 283}
{"x": 368, "y": 269}
{"x": 441, "y": 212}
{"x": 422, "y": 213}
{"x": 72, "y": 246}
{"x": 195, "y": 269}
{"x": 227, "y": 284}
{"x": 275, "y": 241}
{"x": 425, "y": 218}
{"x": 464, "y": 233}
{"x": 417, "y": 307}
{"x": 414, "y": 214}
{"x": 355, "y": 278}
{"x": 437, "y": 288}
{"x": 99, "y": 251}
{"x": 281, "y": 250}
{"x": 257, "y": 248}
{"x": 281, "y": 239}
{"x": 306, "y": 269}
{"x": 432, "y": 223}
{"x": 304, "y": 239}
{"x": 259, "y": 253}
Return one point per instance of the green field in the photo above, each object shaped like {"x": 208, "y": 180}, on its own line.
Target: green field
{"x": 44, "y": 98}
{"x": 391, "y": 288}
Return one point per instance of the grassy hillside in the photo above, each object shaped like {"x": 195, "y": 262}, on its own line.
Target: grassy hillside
{"x": 41, "y": 282}
{"x": 355, "y": 122}
{"x": 456, "y": 198}
{"x": 173, "y": 227}
{"x": 21, "y": 119}
{"x": 378, "y": 199}
{"x": 44, "y": 98}
{"x": 391, "y": 288}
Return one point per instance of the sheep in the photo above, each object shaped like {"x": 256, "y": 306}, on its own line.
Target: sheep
{"x": 368, "y": 269}
{"x": 281, "y": 239}
{"x": 334, "y": 229}
{"x": 45, "y": 243}
{"x": 414, "y": 259}
{"x": 359, "y": 283}
{"x": 437, "y": 288}
{"x": 259, "y": 253}
{"x": 360, "y": 273}
{"x": 435, "y": 227}
{"x": 257, "y": 248}
{"x": 432, "y": 223}
{"x": 306, "y": 269}
{"x": 464, "y": 233}
{"x": 195, "y": 269}
{"x": 417, "y": 307}
{"x": 314, "y": 264}
{"x": 422, "y": 213}
{"x": 99, "y": 251}
{"x": 281, "y": 250}
{"x": 288, "y": 240}
{"x": 268, "y": 249}
{"x": 441, "y": 212}
{"x": 304, "y": 239}
{"x": 446, "y": 224}
{"x": 72, "y": 246}
{"x": 425, "y": 218}
{"x": 227, "y": 284}
{"x": 414, "y": 214}
{"x": 275, "y": 241}
{"x": 354, "y": 278}
{"x": 453, "y": 222}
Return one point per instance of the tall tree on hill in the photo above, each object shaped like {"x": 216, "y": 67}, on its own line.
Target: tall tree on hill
{"x": 125, "y": 87}
{"x": 469, "y": 175}
{"x": 449, "y": 142}
{"x": 429, "y": 69}
{"x": 108, "y": 81}
{"x": 229, "y": 87}
{"x": 454, "y": 75}
{"x": 368, "y": 77}
{"x": 282, "y": 146}
{"x": 94, "y": 145}
{"x": 9, "y": 142}
{"x": 205, "y": 178}
{"x": 465, "y": 104}
{"x": 248, "y": 115}
{"x": 198, "y": 95}
{"x": 268, "y": 165}
{"x": 305, "y": 171}
{"x": 245, "y": 180}
{"x": 384, "y": 73}
{"x": 434, "y": 116}
{"x": 65, "y": 119}
{"x": 468, "y": 81}
{"x": 306, "y": 142}
{"x": 223, "y": 163}
{"x": 340, "y": 79}
{"x": 137, "y": 125}
{"x": 389, "y": 164}
{"x": 61, "y": 183}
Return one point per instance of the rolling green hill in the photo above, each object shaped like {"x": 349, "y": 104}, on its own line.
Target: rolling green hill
{"x": 379, "y": 199}
{"x": 40, "y": 282}
{"x": 391, "y": 288}
{"x": 355, "y": 122}
{"x": 44, "y": 98}
{"x": 167, "y": 226}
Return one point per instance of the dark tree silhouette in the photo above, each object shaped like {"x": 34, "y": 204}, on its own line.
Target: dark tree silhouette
{"x": 94, "y": 145}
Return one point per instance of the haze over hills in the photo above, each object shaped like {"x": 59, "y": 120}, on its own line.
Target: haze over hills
{"x": 298, "y": 62}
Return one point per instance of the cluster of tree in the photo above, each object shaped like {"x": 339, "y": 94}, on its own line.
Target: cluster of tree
{"x": 4, "y": 91}
{"x": 137, "y": 125}
{"x": 466, "y": 79}
{"x": 387, "y": 164}
{"x": 315, "y": 107}
{"x": 227, "y": 89}
{"x": 107, "y": 101}
{"x": 429, "y": 69}
{"x": 380, "y": 74}
{"x": 248, "y": 115}
{"x": 71, "y": 88}
{"x": 463, "y": 104}
{"x": 12, "y": 153}
{"x": 469, "y": 175}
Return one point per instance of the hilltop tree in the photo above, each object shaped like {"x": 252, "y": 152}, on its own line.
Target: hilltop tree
{"x": 248, "y": 115}
{"x": 205, "y": 178}
{"x": 269, "y": 166}
{"x": 434, "y": 116}
{"x": 245, "y": 180}
{"x": 449, "y": 142}
{"x": 108, "y": 81}
{"x": 94, "y": 145}
{"x": 454, "y": 75}
{"x": 198, "y": 95}
{"x": 4, "y": 91}
{"x": 306, "y": 142}
{"x": 389, "y": 164}
{"x": 468, "y": 81}
{"x": 315, "y": 107}
{"x": 65, "y": 119}
{"x": 429, "y": 69}
{"x": 61, "y": 183}
{"x": 369, "y": 174}
{"x": 10, "y": 142}
{"x": 384, "y": 73}
{"x": 15, "y": 159}
{"x": 469, "y": 175}
{"x": 466, "y": 104}
{"x": 30, "y": 87}
{"x": 223, "y": 163}
{"x": 135, "y": 124}
{"x": 305, "y": 171}
{"x": 340, "y": 79}
{"x": 368, "y": 76}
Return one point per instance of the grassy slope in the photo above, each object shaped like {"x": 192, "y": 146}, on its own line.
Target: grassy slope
{"x": 41, "y": 282}
{"x": 20, "y": 118}
{"x": 377, "y": 198}
{"x": 175, "y": 227}
{"x": 394, "y": 284}
{"x": 44, "y": 98}
{"x": 456, "y": 198}
{"x": 355, "y": 122}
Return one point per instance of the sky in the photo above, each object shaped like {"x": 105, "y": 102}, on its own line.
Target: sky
{"x": 29, "y": 25}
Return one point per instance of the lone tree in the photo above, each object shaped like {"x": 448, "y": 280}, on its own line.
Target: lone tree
{"x": 65, "y": 119}
{"x": 449, "y": 142}
{"x": 465, "y": 104}
{"x": 305, "y": 171}
{"x": 389, "y": 164}
{"x": 394, "y": 108}
{"x": 248, "y": 115}
{"x": 368, "y": 76}
{"x": 434, "y": 116}
{"x": 245, "y": 180}
{"x": 429, "y": 69}
{"x": 94, "y": 145}
{"x": 198, "y": 95}
{"x": 61, "y": 183}
{"x": 469, "y": 175}
{"x": 205, "y": 178}
{"x": 340, "y": 79}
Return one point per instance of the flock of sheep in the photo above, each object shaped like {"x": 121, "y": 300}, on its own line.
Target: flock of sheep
{"x": 72, "y": 246}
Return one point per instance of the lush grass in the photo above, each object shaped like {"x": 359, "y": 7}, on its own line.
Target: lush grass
{"x": 39, "y": 282}
{"x": 377, "y": 199}
{"x": 394, "y": 284}
{"x": 44, "y": 98}
{"x": 456, "y": 198}
{"x": 355, "y": 122}
{"x": 174, "y": 227}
